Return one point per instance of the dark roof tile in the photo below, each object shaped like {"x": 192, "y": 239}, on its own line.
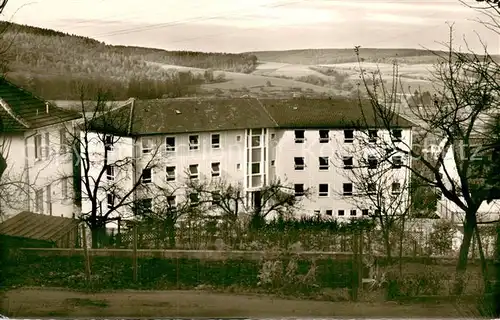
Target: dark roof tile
{"x": 25, "y": 108}
{"x": 163, "y": 116}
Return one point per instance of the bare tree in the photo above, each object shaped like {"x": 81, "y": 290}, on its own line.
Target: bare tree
{"x": 108, "y": 183}
{"x": 229, "y": 201}
{"x": 455, "y": 119}
{"x": 164, "y": 217}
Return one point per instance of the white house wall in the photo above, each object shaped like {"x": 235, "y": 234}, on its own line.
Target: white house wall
{"x": 13, "y": 150}
{"x": 277, "y": 159}
{"x": 448, "y": 209}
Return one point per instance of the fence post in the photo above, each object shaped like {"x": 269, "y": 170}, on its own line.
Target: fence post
{"x": 134, "y": 255}
{"x": 86, "y": 256}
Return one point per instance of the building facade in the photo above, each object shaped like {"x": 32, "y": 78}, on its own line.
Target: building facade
{"x": 311, "y": 146}
{"x": 39, "y": 161}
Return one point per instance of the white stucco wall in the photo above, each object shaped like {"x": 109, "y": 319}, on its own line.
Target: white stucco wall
{"x": 44, "y": 173}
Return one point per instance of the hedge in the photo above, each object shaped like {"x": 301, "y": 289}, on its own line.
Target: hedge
{"x": 156, "y": 273}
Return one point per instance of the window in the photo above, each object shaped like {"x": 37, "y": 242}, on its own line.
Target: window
{"x": 194, "y": 198}
{"x": 216, "y": 197}
{"x": 171, "y": 202}
{"x": 64, "y": 188}
{"x": 329, "y": 212}
{"x": 273, "y": 135}
{"x": 397, "y": 162}
{"x": 348, "y": 136}
{"x": 194, "y": 142}
{"x": 372, "y": 135}
{"x": 397, "y": 134}
{"x": 238, "y": 166}
{"x": 47, "y": 145}
{"x": 324, "y": 163}
{"x": 38, "y": 147}
{"x": 299, "y": 163}
{"x": 147, "y": 145}
{"x": 377, "y": 212}
{"x": 323, "y": 190}
{"x": 371, "y": 188}
{"x": 372, "y": 162}
{"x": 347, "y": 188}
{"x": 108, "y": 142}
{"x": 324, "y": 136}
{"x": 348, "y": 163}
{"x": 110, "y": 199}
{"x": 256, "y": 168}
{"x": 193, "y": 171}
{"x": 171, "y": 173}
{"x": 340, "y": 212}
{"x": 256, "y": 141}
{"x": 238, "y": 138}
{"x": 364, "y": 212}
{"x": 63, "y": 141}
{"x": 300, "y": 136}
{"x": 272, "y": 163}
{"x": 147, "y": 175}
{"x": 110, "y": 172}
{"x": 215, "y": 169}
{"x": 145, "y": 206}
{"x": 317, "y": 212}
{"x": 170, "y": 144}
{"x": 299, "y": 189}
{"x": 353, "y": 212}
{"x": 396, "y": 188}
{"x": 215, "y": 141}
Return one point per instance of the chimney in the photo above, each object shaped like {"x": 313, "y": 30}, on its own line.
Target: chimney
{"x": 46, "y": 107}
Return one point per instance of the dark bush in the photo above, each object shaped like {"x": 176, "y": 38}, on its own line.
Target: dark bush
{"x": 156, "y": 273}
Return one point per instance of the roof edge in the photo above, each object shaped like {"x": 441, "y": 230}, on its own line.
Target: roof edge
{"x": 9, "y": 110}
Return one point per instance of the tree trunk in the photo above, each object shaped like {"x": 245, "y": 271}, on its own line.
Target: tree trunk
{"x": 98, "y": 235}
{"x": 388, "y": 247}
{"x": 484, "y": 267}
{"x": 469, "y": 226}
{"x": 496, "y": 288}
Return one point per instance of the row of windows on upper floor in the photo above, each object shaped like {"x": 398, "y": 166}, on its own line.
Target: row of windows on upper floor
{"x": 254, "y": 168}
{"x": 194, "y": 139}
{"x": 43, "y": 143}
{"x": 347, "y": 189}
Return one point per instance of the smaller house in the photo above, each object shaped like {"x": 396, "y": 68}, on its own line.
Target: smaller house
{"x": 31, "y": 230}
{"x": 35, "y": 155}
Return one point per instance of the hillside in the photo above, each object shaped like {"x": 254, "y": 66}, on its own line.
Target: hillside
{"x": 336, "y": 56}
{"x": 56, "y": 65}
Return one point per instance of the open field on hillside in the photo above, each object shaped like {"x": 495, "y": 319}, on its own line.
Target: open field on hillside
{"x": 256, "y": 83}
{"x": 332, "y": 56}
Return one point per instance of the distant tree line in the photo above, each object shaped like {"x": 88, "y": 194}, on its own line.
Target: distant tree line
{"x": 69, "y": 88}
{"x": 49, "y": 63}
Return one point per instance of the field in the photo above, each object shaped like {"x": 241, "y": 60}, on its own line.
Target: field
{"x": 51, "y": 302}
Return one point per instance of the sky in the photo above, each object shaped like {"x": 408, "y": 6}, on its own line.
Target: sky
{"x": 257, "y": 25}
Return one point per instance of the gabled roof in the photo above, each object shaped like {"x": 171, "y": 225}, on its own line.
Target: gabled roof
{"x": 21, "y": 110}
{"x": 170, "y": 116}
{"x": 37, "y": 226}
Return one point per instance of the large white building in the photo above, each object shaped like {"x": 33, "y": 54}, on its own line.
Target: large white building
{"x": 34, "y": 134}
{"x": 306, "y": 143}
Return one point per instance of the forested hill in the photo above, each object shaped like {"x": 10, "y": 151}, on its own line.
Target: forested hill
{"x": 55, "y": 65}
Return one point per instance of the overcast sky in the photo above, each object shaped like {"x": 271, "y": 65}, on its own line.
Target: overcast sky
{"x": 250, "y": 25}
